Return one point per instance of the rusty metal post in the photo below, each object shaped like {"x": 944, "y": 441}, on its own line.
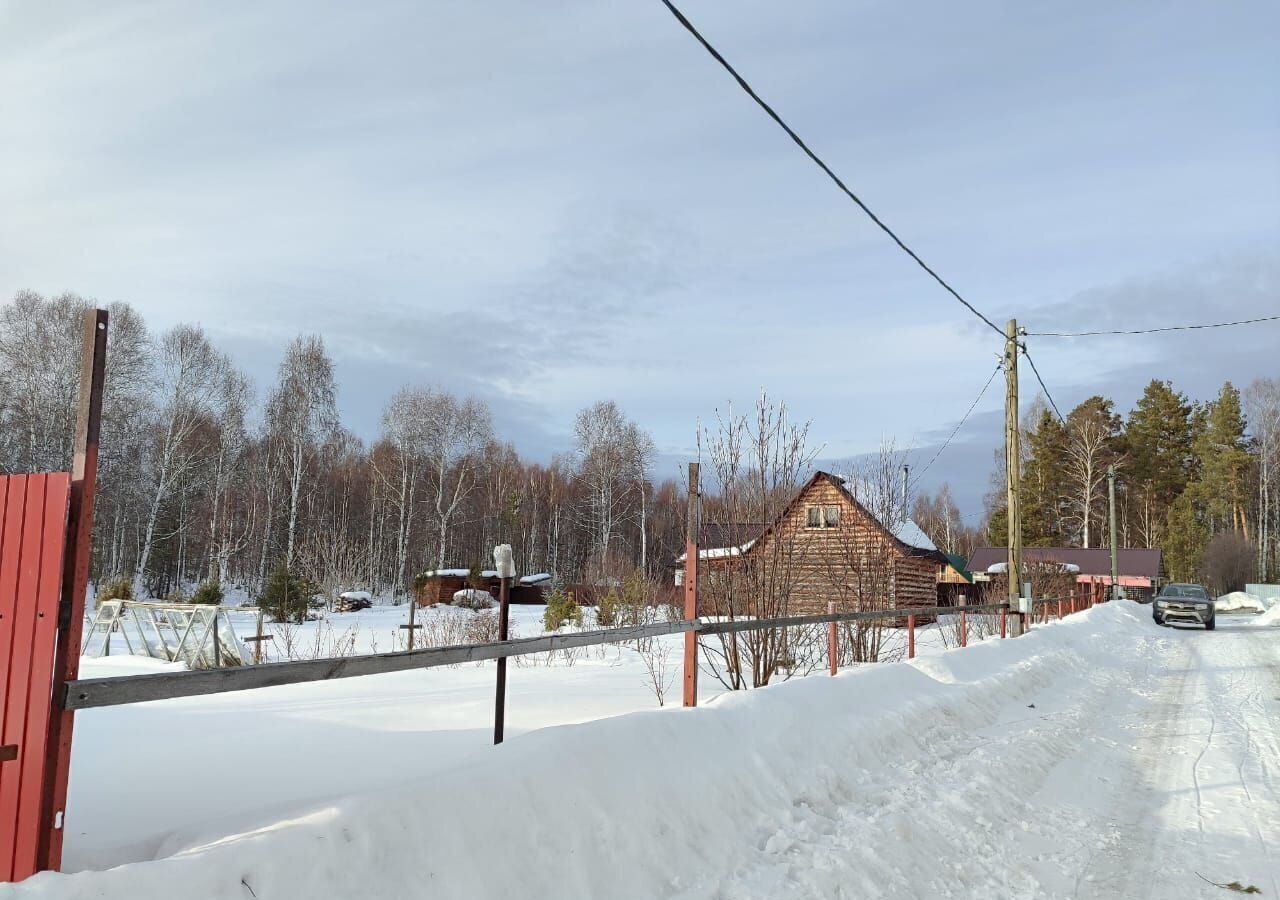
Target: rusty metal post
{"x": 1059, "y": 609}
{"x": 500, "y": 700}
{"x": 964, "y": 624}
{"x": 691, "y": 588}
{"x": 1004, "y": 624}
{"x": 75, "y": 581}
{"x": 911, "y": 636}
{"x": 833, "y": 637}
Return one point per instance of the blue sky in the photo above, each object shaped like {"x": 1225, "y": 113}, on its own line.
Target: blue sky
{"x": 552, "y": 203}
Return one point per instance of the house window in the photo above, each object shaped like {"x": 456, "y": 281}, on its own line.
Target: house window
{"x": 824, "y": 517}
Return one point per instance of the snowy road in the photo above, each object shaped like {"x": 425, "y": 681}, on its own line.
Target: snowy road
{"x": 1119, "y": 781}
{"x": 1102, "y": 756}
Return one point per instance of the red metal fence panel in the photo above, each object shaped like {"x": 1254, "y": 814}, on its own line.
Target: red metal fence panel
{"x": 33, "y": 533}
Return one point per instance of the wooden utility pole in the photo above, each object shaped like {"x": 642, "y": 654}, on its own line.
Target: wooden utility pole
{"x": 1111, "y": 496}
{"x": 1013, "y": 462}
{"x": 691, "y": 588}
{"x": 75, "y": 581}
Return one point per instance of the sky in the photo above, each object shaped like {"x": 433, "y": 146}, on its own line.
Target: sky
{"x": 548, "y": 204}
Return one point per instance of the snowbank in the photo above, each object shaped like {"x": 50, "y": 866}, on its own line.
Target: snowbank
{"x": 470, "y": 598}
{"x": 669, "y": 802}
{"x": 1270, "y": 617}
{"x": 1237, "y": 600}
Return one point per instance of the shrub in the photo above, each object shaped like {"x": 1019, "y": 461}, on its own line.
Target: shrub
{"x": 175, "y": 596}
{"x": 474, "y": 578}
{"x": 287, "y": 597}
{"x": 471, "y": 598}
{"x": 209, "y": 593}
{"x": 607, "y": 610}
{"x": 119, "y": 588}
{"x": 561, "y": 609}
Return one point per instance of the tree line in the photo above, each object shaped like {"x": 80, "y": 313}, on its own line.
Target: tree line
{"x": 204, "y": 476}
{"x": 1196, "y": 479}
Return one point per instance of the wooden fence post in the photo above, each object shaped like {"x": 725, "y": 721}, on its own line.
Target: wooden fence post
{"x": 1059, "y": 609}
{"x": 833, "y": 637}
{"x": 964, "y": 624}
{"x": 691, "y": 588}
{"x": 75, "y": 581}
{"x": 1004, "y": 623}
{"x": 911, "y": 636}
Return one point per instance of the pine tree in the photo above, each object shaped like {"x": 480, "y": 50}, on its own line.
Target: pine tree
{"x": 1223, "y": 454}
{"x": 1184, "y": 540}
{"x": 1043, "y": 485}
{"x": 286, "y": 596}
{"x": 1158, "y": 440}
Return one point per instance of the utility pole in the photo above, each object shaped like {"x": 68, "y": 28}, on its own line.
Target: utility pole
{"x": 1013, "y": 464}
{"x": 1111, "y": 495}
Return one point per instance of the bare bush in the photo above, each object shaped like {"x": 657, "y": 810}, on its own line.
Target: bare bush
{"x": 1229, "y": 562}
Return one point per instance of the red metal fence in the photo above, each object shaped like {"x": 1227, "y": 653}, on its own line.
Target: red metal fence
{"x": 33, "y": 533}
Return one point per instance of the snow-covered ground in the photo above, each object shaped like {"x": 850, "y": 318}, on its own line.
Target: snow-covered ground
{"x": 1101, "y": 756}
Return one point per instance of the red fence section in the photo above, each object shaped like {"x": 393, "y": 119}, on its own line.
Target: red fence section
{"x": 33, "y": 533}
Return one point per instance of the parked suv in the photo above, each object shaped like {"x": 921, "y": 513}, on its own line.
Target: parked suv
{"x": 1184, "y": 603}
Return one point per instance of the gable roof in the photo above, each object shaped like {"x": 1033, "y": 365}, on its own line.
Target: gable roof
{"x": 961, "y": 565}
{"x": 1133, "y": 561}
{"x": 907, "y": 535}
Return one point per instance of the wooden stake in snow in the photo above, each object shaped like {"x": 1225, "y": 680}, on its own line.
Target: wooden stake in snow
{"x": 691, "y": 588}
{"x": 504, "y": 563}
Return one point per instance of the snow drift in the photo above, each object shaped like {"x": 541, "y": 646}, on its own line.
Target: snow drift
{"x": 1238, "y": 600}
{"x": 669, "y": 802}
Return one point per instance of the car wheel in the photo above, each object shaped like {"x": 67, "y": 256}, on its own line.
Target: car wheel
{"x": 1158, "y": 620}
{"x": 1211, "y": 624}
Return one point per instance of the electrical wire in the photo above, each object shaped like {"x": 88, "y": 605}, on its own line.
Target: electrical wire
{"x": 1044, "y": 388}
{"x": 960, "y": 424}
{"x": 742, "y": 82}
{"x": 1154, "y": 330}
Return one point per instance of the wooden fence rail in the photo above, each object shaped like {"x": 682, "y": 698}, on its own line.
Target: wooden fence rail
{"x": 91, "y": 693}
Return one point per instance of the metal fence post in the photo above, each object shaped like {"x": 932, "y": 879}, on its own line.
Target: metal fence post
{"x": 964, "y": 624}
{"x": 1004, "y": 623}
{"x": 911, "y": 636}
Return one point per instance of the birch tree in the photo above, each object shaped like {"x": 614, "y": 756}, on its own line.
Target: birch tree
{"x": 301, "y": 414}
{"x": 456, "y": 431}
{"x": 188, "y": 369}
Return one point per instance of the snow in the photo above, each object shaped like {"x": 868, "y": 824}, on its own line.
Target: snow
{"x": 1238, "y": 600}
{"x": 458, "y": 573}
{"x": 912, "y": 535}
{"x": 356, "y": 595}
{"x": 1270, "y": 617}
{"x": 470, "y": 598}
{"x": 1001, "y": 568}
{"x": 539, "y": 578}
{"x": 719, "y": 552}
{"x": 1100, "y": 756}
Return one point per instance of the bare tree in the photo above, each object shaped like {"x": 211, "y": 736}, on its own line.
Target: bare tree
{"x": 188, "y": 372}
{"x": 1091, "y": 432}
{"x": 406, "y": 424}
{"x": 301, "y": 414}
{"x": 613, "y": 457}
{"x": 1262, "y": 406}
{"x": 455, "y": 433}
{"x": 759, "y": 461}
{"x": 1229, "y": 560}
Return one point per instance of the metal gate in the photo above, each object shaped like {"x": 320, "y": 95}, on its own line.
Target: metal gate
{"x": 33, "y": 534}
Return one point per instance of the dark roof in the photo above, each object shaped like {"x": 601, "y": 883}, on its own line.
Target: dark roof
{"x": 1133, "y": 561}
{"x": 718, "y": 535}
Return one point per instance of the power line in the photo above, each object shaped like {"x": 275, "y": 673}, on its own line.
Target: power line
{"x": 1061, "y": 418}
{"x": 1154, "y": 330}
{"x": 960, "y": 424}
{"x": 742, "y": 82}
